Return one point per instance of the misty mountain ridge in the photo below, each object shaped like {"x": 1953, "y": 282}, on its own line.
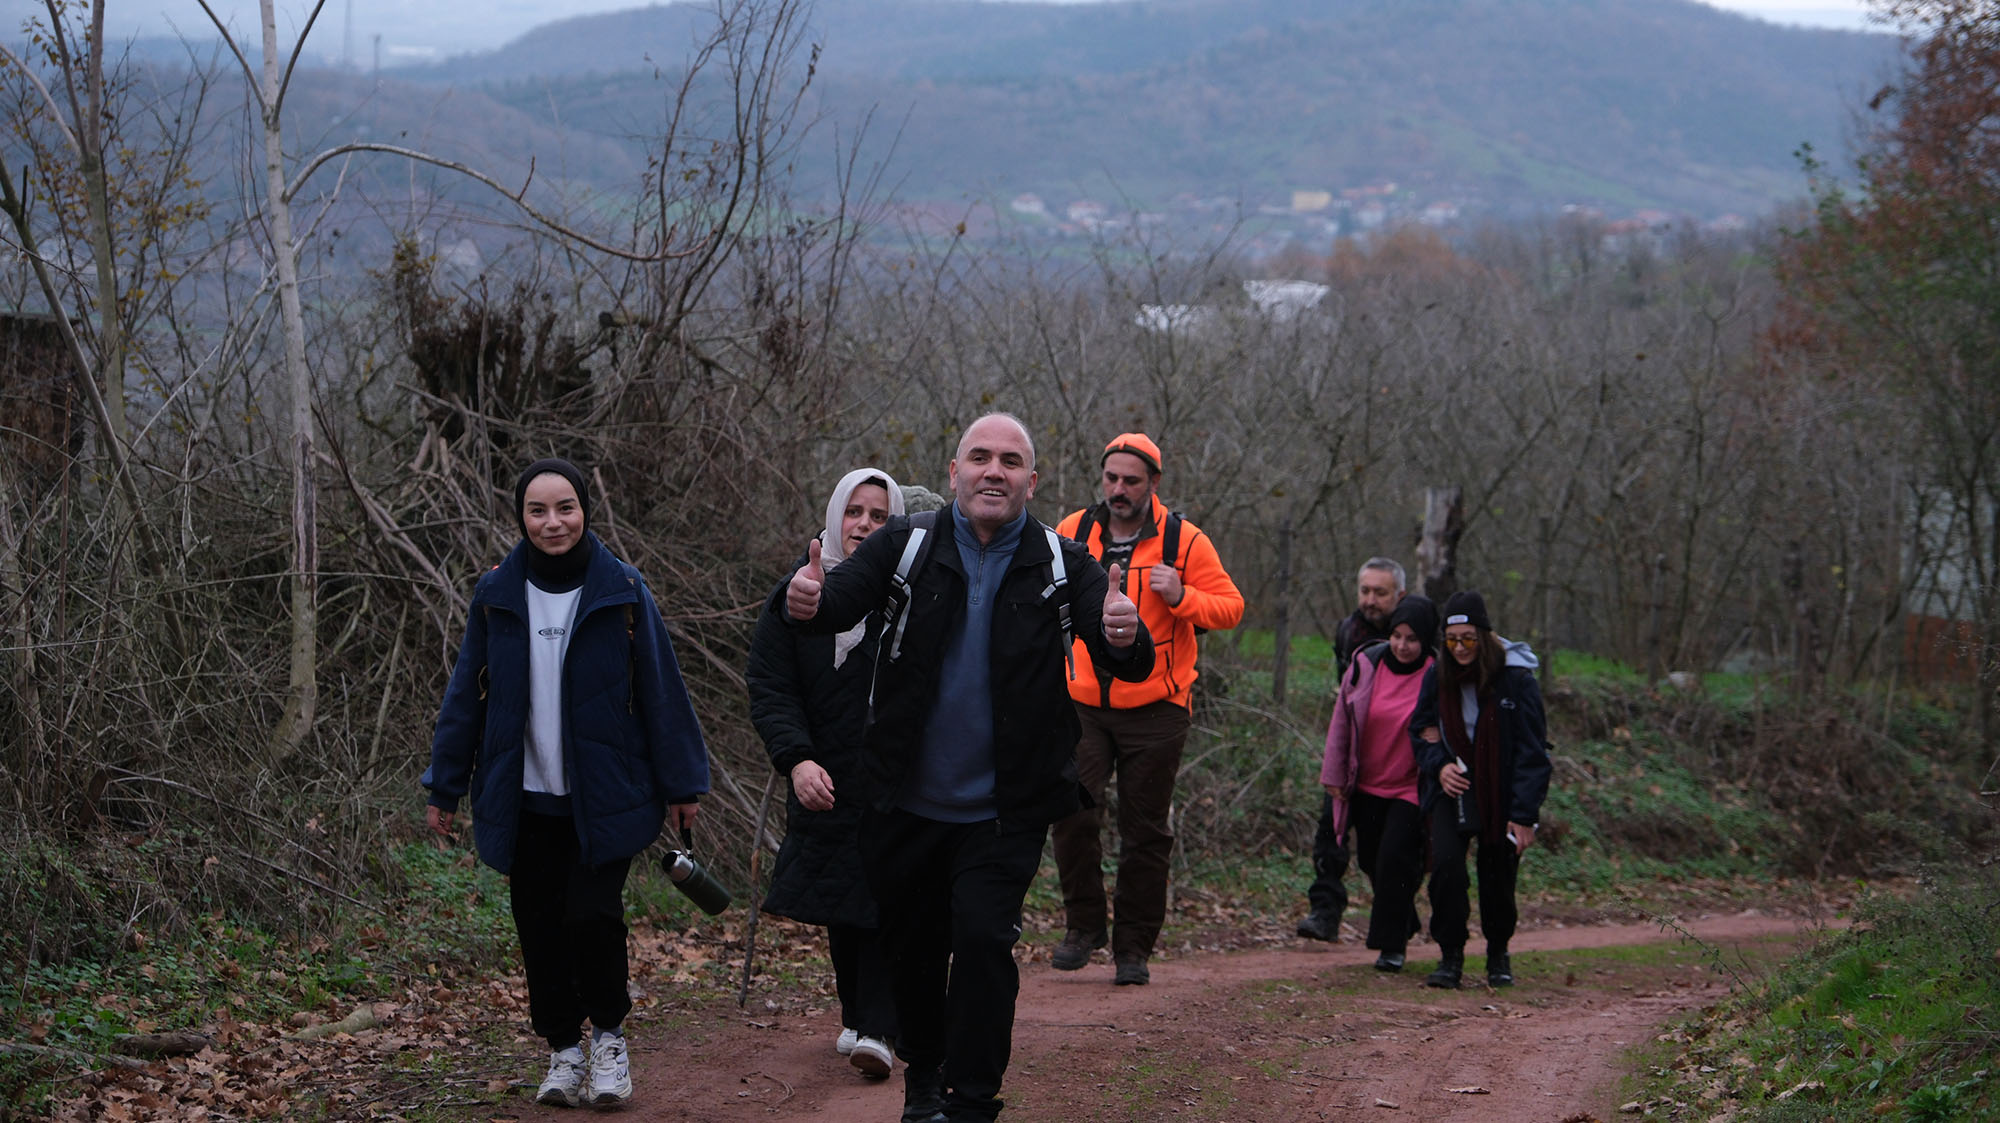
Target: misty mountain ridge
{"x": 1505, "y": 106}
{"x": 1333, "y": 115}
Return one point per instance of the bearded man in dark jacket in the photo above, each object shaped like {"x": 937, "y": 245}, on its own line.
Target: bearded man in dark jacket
{"x": 971, "y": 751}
{"x": 1378, "y": 588}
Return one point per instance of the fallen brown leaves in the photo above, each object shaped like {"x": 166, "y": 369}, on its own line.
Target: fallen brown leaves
{"x": 453, "y": 1039}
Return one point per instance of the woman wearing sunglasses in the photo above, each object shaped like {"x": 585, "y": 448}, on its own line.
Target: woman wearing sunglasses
{"x": 1483, "y": 769}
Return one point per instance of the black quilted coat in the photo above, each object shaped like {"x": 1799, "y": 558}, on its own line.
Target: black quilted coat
{"x": 805, "y": 708}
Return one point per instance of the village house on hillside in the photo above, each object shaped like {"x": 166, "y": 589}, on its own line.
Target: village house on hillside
{"x": 1280, "y": 301}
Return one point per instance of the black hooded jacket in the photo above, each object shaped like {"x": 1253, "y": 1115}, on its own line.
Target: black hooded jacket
{"x": 1035, "y": 724}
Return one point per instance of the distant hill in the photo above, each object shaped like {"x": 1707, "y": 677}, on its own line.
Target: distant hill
{"x": 1506, "y": 106}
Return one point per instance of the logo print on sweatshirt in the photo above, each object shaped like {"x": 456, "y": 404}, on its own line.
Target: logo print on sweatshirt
{"x": 552, "y": 633}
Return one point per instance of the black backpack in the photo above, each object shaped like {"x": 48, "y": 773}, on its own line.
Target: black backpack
{"x": 1170, "y": 534}
{"x": 895, "y": 612}
{"x": 1170, "y": 541}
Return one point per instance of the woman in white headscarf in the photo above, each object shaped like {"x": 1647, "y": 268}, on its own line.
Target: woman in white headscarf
{"x": 809, "y": 701}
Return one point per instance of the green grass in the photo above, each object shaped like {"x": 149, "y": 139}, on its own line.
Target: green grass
{"x": 1646, "y": 814}
{"x": 225, "y": 968}
{"x": 1582, "y": 666}
{"x": 1897, "y": 1017}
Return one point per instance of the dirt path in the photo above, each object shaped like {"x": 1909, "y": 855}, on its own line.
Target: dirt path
{"x": 1292, "y": 1031}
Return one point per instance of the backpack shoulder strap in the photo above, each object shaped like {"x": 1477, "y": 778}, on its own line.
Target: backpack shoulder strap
{"x": 1058, "y": 591}
{"x": 896, "y": 617}
{"x": 1084, "y": 525}
{"x": 1170, "y": 538}
{"x": 896, "y": 610}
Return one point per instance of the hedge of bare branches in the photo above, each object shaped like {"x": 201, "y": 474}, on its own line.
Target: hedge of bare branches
{"x": 1642, "y": 478}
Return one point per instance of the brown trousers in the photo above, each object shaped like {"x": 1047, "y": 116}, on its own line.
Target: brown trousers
{"x": 1142, "y": 749}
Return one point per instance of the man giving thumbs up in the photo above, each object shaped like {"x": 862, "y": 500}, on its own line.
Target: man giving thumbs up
{"x": 971, "y": 751}
{"x": 1133, "y": 732}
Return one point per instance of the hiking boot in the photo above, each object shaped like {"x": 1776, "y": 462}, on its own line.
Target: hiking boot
{"x": 610, "y": 1073}
{"x": 1132, "y": 973}
{"x": 1390, "y": 961}
{"x": 923, "y": 1095}
{"x": 563, "y": 1086}
{"x": 844, "y": 1044}
{"x": 1448, "y": 972}
{"x": 872, "y": 1056}
{"x": 1499, "y": 969}
{"x": 1318, "y": 925}
{"x": 1075, "y": 949}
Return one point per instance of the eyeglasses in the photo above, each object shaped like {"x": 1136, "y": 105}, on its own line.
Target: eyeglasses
{"x": 1467, "y": 642}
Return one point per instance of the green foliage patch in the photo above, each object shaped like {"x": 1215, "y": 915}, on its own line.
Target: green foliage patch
{"x": 1893, "y": 1018}
{"x": 1733, "y": 779}
{"x": 225, "y": 968}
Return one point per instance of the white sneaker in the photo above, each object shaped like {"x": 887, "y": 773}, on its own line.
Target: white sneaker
{"x": 563, "y": 1086}
{"x": 872, "y": 1056}
{"x": 610, "y": 1075}
{"x": 844, "y": 1044}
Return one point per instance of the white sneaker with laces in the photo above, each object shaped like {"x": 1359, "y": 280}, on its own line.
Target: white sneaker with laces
{"x": 610, "y": 1074}
{"x": 563, "y": 1086}
{"x": 872, "y": 1056}
{"x": 844, "y": 1044}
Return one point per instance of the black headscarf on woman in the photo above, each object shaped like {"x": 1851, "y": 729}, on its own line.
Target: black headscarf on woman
{"x": 1421, "y": 615}
{"x": 555, "y": 573}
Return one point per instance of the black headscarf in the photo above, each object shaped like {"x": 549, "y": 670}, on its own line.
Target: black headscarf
{"x": 1420, "y": 614}
{"x": 555, "y": 573}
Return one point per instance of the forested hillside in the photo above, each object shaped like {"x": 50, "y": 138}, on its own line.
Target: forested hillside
{"x": 1508, "y": 108}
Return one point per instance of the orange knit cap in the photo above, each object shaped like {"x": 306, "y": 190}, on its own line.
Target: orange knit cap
{"x": 1139, "y": 445}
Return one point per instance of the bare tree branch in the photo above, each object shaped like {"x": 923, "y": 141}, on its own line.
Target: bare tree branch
{"x": 55, "y": 110}
{"x": 517, "y": 198}
{"x": 298, "y": 49}
{"x": 228, "y": 40}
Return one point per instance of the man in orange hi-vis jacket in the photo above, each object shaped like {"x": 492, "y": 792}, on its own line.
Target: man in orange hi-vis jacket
{"x": 1135, "y": 730}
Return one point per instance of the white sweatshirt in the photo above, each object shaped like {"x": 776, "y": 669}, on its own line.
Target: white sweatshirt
{"x": 550, "y": 616}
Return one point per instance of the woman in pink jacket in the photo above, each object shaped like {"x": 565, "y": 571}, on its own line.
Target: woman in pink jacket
{"x": 1371, "y": 774}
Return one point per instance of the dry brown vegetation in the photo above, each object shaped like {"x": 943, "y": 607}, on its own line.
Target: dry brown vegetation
{"x": 1645, "y": 478}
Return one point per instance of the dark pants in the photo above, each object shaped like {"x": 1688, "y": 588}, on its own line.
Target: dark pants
{"x": 1450, "y": 903}
{"x": 862, "y": 976}
{"x": 1142, "y": 748}
{"x": 950, "y": 896}
{"x": 1389, "y": 844}
{"x": 1326, "y": 894}
{"x": 571, "y": 920}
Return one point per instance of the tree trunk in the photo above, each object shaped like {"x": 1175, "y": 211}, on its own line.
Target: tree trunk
{"x": 302, "y": 696}
{"x": 1986, "y": 643}
{"x": 1437, "y": 548}
{"x": 31, "y": 749}
{"x": 1805, "y": 634}
{"x": 1281, "y": 631}
{"x": 1545, "y": 612}
{"x": 97, "y": 201}
{"x": 1655, "y": 629}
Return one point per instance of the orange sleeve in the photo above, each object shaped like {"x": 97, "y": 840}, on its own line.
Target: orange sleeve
{"x": 1209, "y": 598}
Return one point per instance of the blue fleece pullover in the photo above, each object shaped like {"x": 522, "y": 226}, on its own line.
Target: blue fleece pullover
{"x": 954, "y": 779}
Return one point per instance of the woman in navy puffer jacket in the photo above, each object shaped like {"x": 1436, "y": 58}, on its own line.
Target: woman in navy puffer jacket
{"x": 568, "y": 726}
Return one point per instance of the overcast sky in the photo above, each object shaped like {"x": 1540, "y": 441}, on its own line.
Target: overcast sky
{"x": 428, "y": 28}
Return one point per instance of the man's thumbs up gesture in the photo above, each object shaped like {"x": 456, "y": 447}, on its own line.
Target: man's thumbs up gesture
{"x": 802, "y": 595}
{"x": 1121, "y": 616}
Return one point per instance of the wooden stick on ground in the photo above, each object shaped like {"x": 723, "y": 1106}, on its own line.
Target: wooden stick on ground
{"x": 756, "y": 898}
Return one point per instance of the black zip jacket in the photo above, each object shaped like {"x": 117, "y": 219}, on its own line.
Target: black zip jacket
{"x": 1035, "y": 723}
